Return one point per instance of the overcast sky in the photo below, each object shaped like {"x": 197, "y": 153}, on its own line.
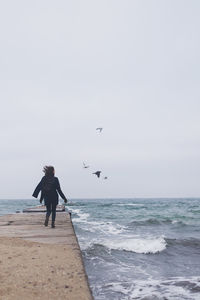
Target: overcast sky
{"x": 131, "y": 67}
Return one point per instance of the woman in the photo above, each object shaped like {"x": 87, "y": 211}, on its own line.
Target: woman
{"x": 49, "y": 187}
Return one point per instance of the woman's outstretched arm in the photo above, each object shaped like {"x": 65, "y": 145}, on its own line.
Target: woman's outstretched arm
{"x": 38, "y": 188}
{"x": 58, "y": 188}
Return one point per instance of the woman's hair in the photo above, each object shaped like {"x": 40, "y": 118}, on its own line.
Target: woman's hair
{"x": 48, "y": 170}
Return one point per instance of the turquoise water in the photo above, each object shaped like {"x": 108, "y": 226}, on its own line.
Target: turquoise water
{"x": 140, "y": 248}
{"x": 145, "y": 249}
{"x": 11, "y": 206}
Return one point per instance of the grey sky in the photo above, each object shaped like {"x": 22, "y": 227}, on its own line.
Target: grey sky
{"x": 132, "y": 67}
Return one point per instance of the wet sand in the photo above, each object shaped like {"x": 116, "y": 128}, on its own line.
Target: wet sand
{"x": 38, "y": 262}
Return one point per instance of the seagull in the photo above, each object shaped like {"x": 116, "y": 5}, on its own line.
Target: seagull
{"x": 85, "y": 166}
{"x": 100, "y": 129}
{"x": 105, "y": 177}
{"x": 97, "y": 173}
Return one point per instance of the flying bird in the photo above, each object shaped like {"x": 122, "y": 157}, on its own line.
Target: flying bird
{"x": 105, "y": 177}
{"x": 85, "y": 166}
{"x": 97, "y": 173}
{"x": 100, "y": 129}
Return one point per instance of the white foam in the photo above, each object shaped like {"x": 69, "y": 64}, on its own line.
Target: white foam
{"x": 75, "y": 210}
{"x": 118, "y": 287}
{"x": 138, "y": 245}
{"x": 161, "y": 289}
{"x": 174, "y": 221}
{"x": 82, "y": 218}
{"x": 94, "y": 226}
{"x": 85, "y": 244}
{"x": 155, "y": 289}
{"x": 110, "y": 228}
{"x": 99, "y": 227}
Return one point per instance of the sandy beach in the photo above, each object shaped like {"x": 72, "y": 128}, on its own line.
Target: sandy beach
{"x": 37, "y": 270}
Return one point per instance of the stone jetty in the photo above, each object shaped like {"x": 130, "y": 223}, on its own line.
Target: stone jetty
{"x": 38, "y": 262}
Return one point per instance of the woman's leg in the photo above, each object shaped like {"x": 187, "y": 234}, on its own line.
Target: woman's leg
{"x": 53, "y": 214}
{"x": 48, "y": 213}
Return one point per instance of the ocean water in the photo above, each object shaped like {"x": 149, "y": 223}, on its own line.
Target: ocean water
{"x": 146, "y": 249}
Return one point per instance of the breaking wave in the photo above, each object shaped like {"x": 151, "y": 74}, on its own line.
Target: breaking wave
{"x": 137, "y": 245}
{"x": 145, "y": 246}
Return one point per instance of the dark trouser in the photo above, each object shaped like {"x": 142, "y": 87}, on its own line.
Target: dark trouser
{"x": 51, "y": 208}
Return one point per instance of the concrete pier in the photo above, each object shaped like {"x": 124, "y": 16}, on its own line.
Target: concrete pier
{"x": 38, "y": 262}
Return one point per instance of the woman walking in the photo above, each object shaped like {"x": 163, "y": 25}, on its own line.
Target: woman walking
{"x": 50, "y": 188}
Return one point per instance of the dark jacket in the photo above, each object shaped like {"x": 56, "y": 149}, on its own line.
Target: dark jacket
{"x": 49, "y": 187}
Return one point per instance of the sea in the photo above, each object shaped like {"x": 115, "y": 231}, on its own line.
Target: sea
{"x": 146, "y": 249}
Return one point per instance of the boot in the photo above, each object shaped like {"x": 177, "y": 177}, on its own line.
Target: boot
{"x": 53, "y": 225}
{"x": 46, "y": 221}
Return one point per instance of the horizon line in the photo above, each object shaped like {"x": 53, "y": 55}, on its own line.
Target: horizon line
{"x": 111, "y": 198}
